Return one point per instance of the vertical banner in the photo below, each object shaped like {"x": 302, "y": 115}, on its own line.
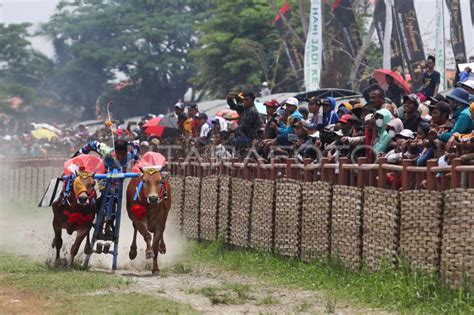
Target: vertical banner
{"x": 396, "y": 58}
{"x": 285, "y": 11}
{"x": 348, "y": 26}
{"x": 440, "y": 49}
{"x": 387, "y": 39}
{"x": 407, "y": 24}
{"x": 313, "y": 48}
{"x": 472, "y": 13}
{"x": 457, "y": 35}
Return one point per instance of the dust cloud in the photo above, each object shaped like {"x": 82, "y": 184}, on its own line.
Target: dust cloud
{"x": 26, "y": 230}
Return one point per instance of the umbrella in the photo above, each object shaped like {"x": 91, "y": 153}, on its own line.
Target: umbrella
{"x": 42, "y": 133}
{"x": 84, "y": 163}
{"x": 162, "y": 127}
{"x": 262, "y": 109}
{"x": 379, "y": 75}
{"x": 228, "y": 114}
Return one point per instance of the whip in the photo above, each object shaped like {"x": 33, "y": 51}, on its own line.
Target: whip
{"x": 109, "y": 124}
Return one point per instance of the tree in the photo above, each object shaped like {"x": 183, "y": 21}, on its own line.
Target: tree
{"x": 239, "y": 48}
{"x": 147, "y": 43}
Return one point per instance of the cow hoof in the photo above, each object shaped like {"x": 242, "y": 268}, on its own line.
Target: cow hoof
{"x": 132, "y": 254}
{"x": 87, "y": 250}
{"x": 61, "y": 262}
{"x": 162, "y": 250}
{"x": 149, "y": 254}
{"x": 155, "y": 272}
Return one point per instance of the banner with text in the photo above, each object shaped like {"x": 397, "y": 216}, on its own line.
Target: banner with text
{"x": 314, "y": 48}
{"x": 440, "y": 49}
{"x": 457, "y": 35}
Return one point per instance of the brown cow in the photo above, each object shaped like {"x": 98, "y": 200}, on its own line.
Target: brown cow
{"x": 149, "y": 212}
{"x": 75, "y": 212}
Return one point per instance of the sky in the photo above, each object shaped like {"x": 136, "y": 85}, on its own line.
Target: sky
{"x": 38, "y": 11}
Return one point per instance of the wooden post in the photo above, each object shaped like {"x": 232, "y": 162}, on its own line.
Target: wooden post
{"x": 406, "y": 179}
{"x": 307, "y": 173}
{"x": 343, "y": 171}
{"x": 289, "y": 169}
{"x": 430, "y": 175}
{"x": 181, "y": 171}
{"x": 382, "y": 183}
{"x": 361, "y": 173}
{"x": 324, "y": 178}
{"x": 455, "y": 175}
{"x": 246, "y": 171}
{"x": 273, "y": 170}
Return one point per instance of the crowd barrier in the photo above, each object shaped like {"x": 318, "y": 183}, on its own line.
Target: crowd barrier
{"x": 364, "y": 214}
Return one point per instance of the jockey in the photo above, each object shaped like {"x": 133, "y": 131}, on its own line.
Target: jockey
{"x": 117, "y": 158}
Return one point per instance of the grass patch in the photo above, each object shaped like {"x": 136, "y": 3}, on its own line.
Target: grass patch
{"x": 82, "y": 292}
{"x": 403, "y": 289}
{"x": 127, "y": 303}
{"x": 268, "y": 300}
{"x": 229, "y": 293}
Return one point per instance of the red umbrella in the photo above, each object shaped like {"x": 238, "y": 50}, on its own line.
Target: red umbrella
{"x": 84, "y": 163}
{"x": 162, "y": 127}
{"x": 379, "y": 75}
{"x": 228, "y": 114}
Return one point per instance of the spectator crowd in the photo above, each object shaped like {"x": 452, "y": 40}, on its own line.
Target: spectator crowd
{"x": 382, "y": 123}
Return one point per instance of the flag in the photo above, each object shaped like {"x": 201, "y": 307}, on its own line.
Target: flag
{"x": 396, "y": 58}
{"x": 285, "y": 34}
{"x": 285, "y": 10}
{"x": 314, "y": 48}
{"x": 440, "y": 51}
{"x": 407, "y": 25}
{"x": 457, "y": 35}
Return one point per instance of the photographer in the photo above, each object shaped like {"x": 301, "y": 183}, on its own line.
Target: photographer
{"x": 250, "y": 121}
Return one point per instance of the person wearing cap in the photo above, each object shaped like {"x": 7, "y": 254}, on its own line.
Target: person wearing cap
{"x": 291, "y": 106}
{"x": 345, "y": 125}
{"x": 329, "y": 115}
{"x": 343, "y": 109}
{"x": 314, "y": 107}
{"x": 459, "y": 101}
{"x": 439, "y": 115}
{"x": 201, "y": 123}
{"x": 265, "y": 91}
{"x": 271, "y": 108}
{"x": 464, "y": 75}
{"x": 401, "y": 145}
{"x": 178, "y": 110}
{"x": 412, "y": 116}
{"x": 468, "y": 85}
{"x": 250, "y": 121}
{"x": 360, "y": 110}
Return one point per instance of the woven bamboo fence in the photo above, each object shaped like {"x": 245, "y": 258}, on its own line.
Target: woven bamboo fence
{"x": 262, "y": 226}
{"x": 457, "y": 258}
{"x": 224, "y": 207}
{"x": 209, "y": 202}
{"x": 420, "y": 228}
{"x": 240, "y": 211}
{"x": 177, "y": 200}
{"x": 346, "y": 240}
{"x": 381, "y": 224}
{"x": 192, "y": 186}
{"x": 315, "y": 222}
{"x": 287, "y": 217}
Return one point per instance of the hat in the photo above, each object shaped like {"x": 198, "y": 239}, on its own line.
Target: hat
{"x": 264, "y": 84}
{"x": 407, "y": 133}
{"x": 326, "y": 101}
{"x": 368, "y": 117}
{"x": 201, "y": 116}
{"x": 292, "y": 101}
{"x": 193, "y": 105}
{"x": 315, "y": 134}
{"x": 347, "y": 105}
{"x": 345, "y": 118}
{"x": 460, "y": 95}
{"x": 179, "y": 105}
{"x": 443, "y": 107}
{"x": 144, "y": 144}
{"x": 468, "y": 83}
{"x": 312, "y": 99}
{"x": 435, "y": 99}
{"x": 412, "y": 97}
{"x": 271, "y": 103}
{"x": 358, "y": 106}
{"x": 315, "y": 126}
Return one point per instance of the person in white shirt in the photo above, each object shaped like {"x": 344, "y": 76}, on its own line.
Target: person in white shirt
{"x": 203, "y": 127}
